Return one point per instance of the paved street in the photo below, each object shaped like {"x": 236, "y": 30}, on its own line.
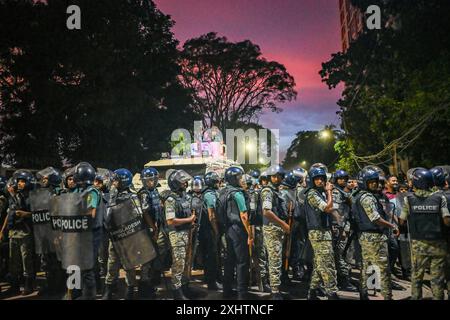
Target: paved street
{"x": 297, "y": 291}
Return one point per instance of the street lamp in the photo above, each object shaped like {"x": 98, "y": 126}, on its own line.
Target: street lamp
{"x": 325, "y": 134}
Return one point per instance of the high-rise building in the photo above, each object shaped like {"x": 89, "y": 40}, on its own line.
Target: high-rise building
{"x": 351, "y": 22}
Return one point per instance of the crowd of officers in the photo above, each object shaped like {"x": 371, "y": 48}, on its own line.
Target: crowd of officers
{"x": 257, "y": 229}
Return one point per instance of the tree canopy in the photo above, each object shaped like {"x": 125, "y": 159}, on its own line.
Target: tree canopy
{"x": 310, "y": 147}
{"x": 107, "y": 93}
{"x": 397, "y": 85}
{"x": 232, "y": 83}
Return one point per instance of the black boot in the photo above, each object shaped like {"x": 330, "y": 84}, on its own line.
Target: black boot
{"x": 129, "y": 295}
{"x": 179, "y": 295}
{"x": 363, "y": 294}
{"x": 28, "y": 287}
{"x": 312, "y": 295}
{"x": 108, "y": 292}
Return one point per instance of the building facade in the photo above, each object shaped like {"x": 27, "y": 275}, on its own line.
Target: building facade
{"x": 351, "y": 23}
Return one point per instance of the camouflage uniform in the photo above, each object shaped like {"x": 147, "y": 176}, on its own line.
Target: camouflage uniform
{"x": 273, "y": 236}
{"x": 178, "y": 242}
{"x": 150, "y": 272}
{"x": 114, "y": 267}
{"x": 427, "y": 252}
{"x": 260, "y": 249}
{"x": 114, "y": 260}
{"x": 374, "y": 249}
{"x": 340, "y": 204}
{"x": 21, "y": 244}
{"x": 324, "y": 269}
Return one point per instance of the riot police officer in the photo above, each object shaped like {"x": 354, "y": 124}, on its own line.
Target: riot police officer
{"x": 123, "y": 182}
{"x": 238, "y": 234}
{"x": 288, "y": 194}
{"x": 209, "y": 234}
{"x": 154, "y": 217}
{"x": 302, "y": 255}
{"x": 180, "y": 220}
{"x": 274, "y": 226}
{"x": 372, "y": 224}
{"x": 426, "y": 213}
{"x": 342, "y": 204}
{"x": 19, "y": 224}
{"x": 44, "y": 236}
{"x": 75, "y": 216}
{"x": 256, "y": 220}
{"x": 318, "y": 209}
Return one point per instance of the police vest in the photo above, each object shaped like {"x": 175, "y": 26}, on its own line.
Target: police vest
{"x": 425, "y": 221}
{"x": 20, "y": 202}
{"x": 362, "y": 221}
{"x": 256, "y": 216}
{"x": 232, "y": 209}
{"x": 182, "y": 210}
{"x": 278, "y": 205}
{"x": 315, "y": 218}
{"x": 341, "y": 203}
{"x": 154, "y": 205}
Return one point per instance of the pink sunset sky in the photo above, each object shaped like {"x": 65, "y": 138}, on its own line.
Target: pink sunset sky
{"x": 301, "y": 34}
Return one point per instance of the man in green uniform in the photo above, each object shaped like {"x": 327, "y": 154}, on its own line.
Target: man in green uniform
{"x": 371, "y": 222}
{"x": 179, "y": 220}
{"x": 319, "y": 209}
{"x": 274, "y": 226}
{"x": 426, "y": 213}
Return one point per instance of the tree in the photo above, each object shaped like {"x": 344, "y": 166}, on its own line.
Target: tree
{"x": 232, "y": 82}
{"x": 107, "y": 93}
{"x": 397, "y": 85}
{"x": 310, "y": 147}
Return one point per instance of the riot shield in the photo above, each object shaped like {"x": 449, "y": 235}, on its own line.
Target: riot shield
{"x": 44, "y": 235}
{"x": 129, "y": 234}
{"x": 75, "y": 237}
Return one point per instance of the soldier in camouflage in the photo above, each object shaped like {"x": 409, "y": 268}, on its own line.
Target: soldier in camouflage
{"x": 274, "y": 227}
{"x": 153, "y": 216}
{"x": 342, "y": 205}
{"x": 256, "y": 219}
{"x": 179, "y": 221}
{"x": 288, "y": 194}
{"x": 319, "y": 209}
{"x": 122, "y": 183}
{"x": 19, "y": 226}
{"x": 426, "y": 213}
{"x": 371, "y": 222}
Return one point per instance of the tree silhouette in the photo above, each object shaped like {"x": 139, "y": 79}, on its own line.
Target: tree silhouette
{"x": 231, "y": 82}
